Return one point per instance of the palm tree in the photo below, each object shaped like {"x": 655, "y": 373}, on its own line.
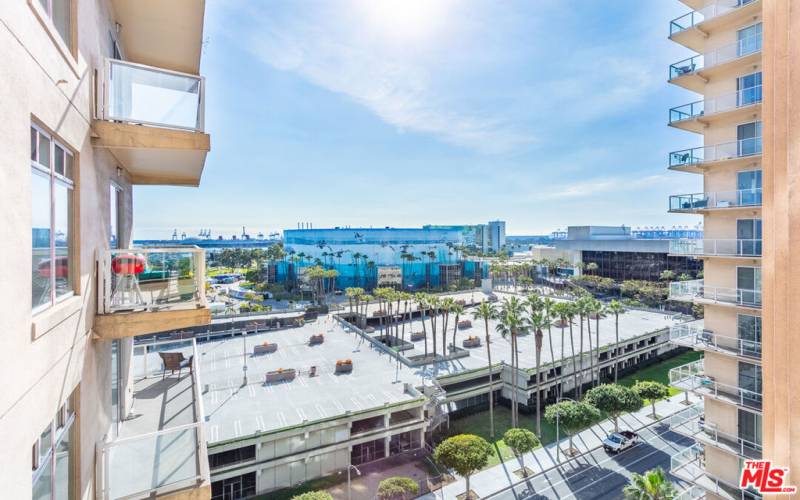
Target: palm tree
{"x": 447, "y": 307}
{"x": 596, "y": 310}
{"x": 512, "y": 323}
{"x": 487, "y": 311}
{"x": 458, "y": 310}
{"x": 615, "y": 308}
{"x": 582, "y": 309}
{"x": 653, "y": 485}
{"x": 421, "y": 300}
{"x": 561, "y": 309}
{"x": 537, "y": 320}
{"x": 570, "y": 312}
{"x": 547, "y": 307}
{"x": 435, "y": 304}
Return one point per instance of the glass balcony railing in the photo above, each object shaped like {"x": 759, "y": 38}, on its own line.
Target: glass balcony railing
{"x": 135, "y": 93}
{"x": 696, "y": 290}
{"x": 715, "y": 247}
{"x": 716, "y": 9}
{"x": 692, "y": 377}
{"x": 693, "y": 335}
{"x": 715, "y": 105}
{"x": 151, "y": 279}
{"x": 724, "y": 199}
{"x": 717, "y": 56}
{"x": 167, "y": 438}
{"x": 718, "y": 152}
{"x": 691, "y": 422}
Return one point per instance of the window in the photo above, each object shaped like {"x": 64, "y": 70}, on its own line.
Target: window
{"x": 748, "y": 136}
{"x": 750, "y": 383}
{"x": 60, "y": 13}
{"x": 748, "y": 281}
{"x": 749, "y": 89}
{"x": 748, "y": 185}
{"x": 749, "y": 40}
{"x": 52, "y": 184}
{"x": 748, "y": 236}
{"x": 230, "y": 457}
{"x": 749, "y": 331}
{"x": 53, "y": 462}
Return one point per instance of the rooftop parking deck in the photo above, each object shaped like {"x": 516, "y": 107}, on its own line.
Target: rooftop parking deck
{"x": 234, "y": 409}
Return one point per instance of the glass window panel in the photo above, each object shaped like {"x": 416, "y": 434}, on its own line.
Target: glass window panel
{"x": 68, "y": 166}
{"x": 44, "y": 150}
{"x": 114, "y": 217}
{"x": 45, "y": 443}
{"x": 64, "y": 467}
{"x": 34, "y": 139}
{"x": 62, "y": 231}
{"x": 58, "y": 161}
{"x": 42, "y": 485}
{"x": 40, "y": 224}
{"x": 61, "y": 19}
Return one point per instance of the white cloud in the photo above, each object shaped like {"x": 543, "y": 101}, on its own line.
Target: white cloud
{"x": 603, "y": 185}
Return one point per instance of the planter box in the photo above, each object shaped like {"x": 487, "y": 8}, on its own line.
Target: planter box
{"x": 316, "y": 339}
{"x": 280, "y": 376}
{"x": 464, "y": 324}
{"x": 369, "y": 329}
{"x": 474, "y": 342}
{"x": 417, "y": 336}
{"x": 378, "y": 313}
{"x": 264, "y": 349}
{"x": 344, "y": 368}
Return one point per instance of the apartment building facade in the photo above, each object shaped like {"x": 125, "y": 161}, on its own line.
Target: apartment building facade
{"x": 727, "y": 73}
{"x": 98, "y": 96}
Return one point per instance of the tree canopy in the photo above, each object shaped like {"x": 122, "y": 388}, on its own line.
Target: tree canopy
{"x": 521, "y": 440}
{"x": 313, "y": 495}
{"x": 397, "y": 488}
{"x": 464, "y": 453}
{"x": 614, "y": 399}
{"x": 573, "y": 416}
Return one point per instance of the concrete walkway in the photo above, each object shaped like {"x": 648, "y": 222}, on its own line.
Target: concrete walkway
{"x": 542, "y": 459}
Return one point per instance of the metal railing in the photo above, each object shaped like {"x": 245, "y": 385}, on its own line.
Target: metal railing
{"x": 176, "y": 458}
{"x": 695, "y": 336}
{"x": 692, "y": 377}
{"x": 689, "y": 465}
{"x": 741, "y": 148}
{"x": 151, "y": 279}
{"x": 146, "y": 95}
{"x": 718, "y": 104}
{"x": 693, "y": 290}
{"x": 692, "y": 423}
{"x": 717, "y": 247}
{"x": 723, "y": 199}
{"x": 708, "y": 12}
{"x": 717, "y": 56}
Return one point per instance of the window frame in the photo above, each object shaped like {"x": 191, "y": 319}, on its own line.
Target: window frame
{"x": 55, "y": 179}
{"x": 69, "y": 51}
{"x": 60, "y": 427}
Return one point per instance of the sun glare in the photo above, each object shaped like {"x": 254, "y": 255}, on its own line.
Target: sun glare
{"x": 405, "y": 19}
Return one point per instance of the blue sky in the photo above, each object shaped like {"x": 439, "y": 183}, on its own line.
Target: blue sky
{"x": 543, "y": 113}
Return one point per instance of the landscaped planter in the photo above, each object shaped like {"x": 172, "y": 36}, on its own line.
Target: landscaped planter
{"x": 316, "y": 339}
{"x": 394, "y": 342}
{"x": 264, "y": 349}
{"x": 464, "y": 324}
{"x": 344, "y": 366}
{"x": 369, "y": 329}
{"x": 378, "y": 313}
{"x": 417, "y": 336}
{"x": 461, "y": 302}
{"x": 471, "y": 342}
{"x": 280, "y": 375}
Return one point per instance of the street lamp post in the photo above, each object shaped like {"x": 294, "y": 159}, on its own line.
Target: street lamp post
{"x": 349, "y": 492}
{"x": 558, "y": 440}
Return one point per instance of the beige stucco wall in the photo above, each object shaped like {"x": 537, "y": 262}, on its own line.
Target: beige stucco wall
{"x": 722, "y": 465}
{"x": 43, "y": 358}
{"x": 724, "y": 369}
{"x": 781, "y": 283}
{"x": 723, "y": 415}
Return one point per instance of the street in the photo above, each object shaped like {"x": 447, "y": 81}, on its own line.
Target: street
{"x": 598, "y": 475}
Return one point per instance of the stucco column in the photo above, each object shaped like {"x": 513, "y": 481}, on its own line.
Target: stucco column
{"x": 781, "y": 227}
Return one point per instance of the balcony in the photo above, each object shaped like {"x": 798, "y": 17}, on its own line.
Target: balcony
{"x": 689, "y": 465}
{"x": 696, "y": 291}
{"x": 692, "y": 377}
{"x": 695, "y": 160}
{"x": 693, "y": 73}
{"x": 747, "y": 248}
{"x": 160, "y": 449}
{"x": 694, "y": 336}
{"x": 691, "y": 422}
{"x": 726, "y": 108}
{"x": 151, "y": 119}
{"x": 701, "y": 202}
{"x": 691, "y": 30}
{"x": 149, "y": 290}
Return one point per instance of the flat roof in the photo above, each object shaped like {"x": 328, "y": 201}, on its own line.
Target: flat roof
{"x": 234, "y": 410}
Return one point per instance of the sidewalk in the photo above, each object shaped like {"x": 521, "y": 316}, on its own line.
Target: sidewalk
{"x": 541, "y": 459}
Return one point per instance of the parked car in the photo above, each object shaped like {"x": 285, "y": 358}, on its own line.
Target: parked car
{"x": 620, "y": 441}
